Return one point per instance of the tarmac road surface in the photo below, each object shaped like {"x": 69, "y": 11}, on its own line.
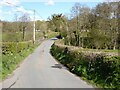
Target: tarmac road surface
{"x": 41, "y": 70}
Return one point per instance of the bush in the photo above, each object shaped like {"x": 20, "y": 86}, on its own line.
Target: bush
{"x": 13, "y": 53}
{"x": 15, "y": 47}
{"x": 103, "y": 70}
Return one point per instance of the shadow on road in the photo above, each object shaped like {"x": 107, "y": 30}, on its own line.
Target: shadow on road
{"x": 59, "y": 66}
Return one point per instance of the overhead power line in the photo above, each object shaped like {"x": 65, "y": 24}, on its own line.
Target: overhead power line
{"x": 33, "y": 20}
{"x": 39, "y": 15}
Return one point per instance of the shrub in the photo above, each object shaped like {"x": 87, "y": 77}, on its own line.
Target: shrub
{"x": 103, "y": 70}
{"x": 15, "y": 47}
{"x": 13, "y": 53}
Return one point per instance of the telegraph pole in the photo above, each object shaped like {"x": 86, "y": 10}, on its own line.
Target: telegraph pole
{"x": 34, "y": 28}
{"x": 33, "y": 22}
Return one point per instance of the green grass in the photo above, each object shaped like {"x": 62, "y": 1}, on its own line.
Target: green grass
{"x": 52, "y": 34}
{"x": 14, "y": 36}
{"x": 12, "y": 57}
{"x": 11, "y": 61}
{"x": 61, "y": 42}
{"x": 103, "y": 50}
{"x": 0, "y": 67}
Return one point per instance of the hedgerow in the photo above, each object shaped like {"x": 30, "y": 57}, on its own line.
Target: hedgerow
{"x": 15, "y": 47}
{"x": 13, "y": 53}
{"x": 101, "y": 69}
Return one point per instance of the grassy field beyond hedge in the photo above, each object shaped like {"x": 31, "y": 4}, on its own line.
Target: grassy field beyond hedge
{"x": 18, "y": 36}
{"x": 52, "y": 34}
{"x": 98, "y": 68}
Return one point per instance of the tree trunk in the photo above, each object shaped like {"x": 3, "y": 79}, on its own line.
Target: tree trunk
{"x": 23, "y": 34}
{"x": 114, "y": 45}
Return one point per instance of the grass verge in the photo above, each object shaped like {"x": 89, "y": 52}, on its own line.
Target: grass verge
{"x": 52, "y": 34}
{"x": 12, "y": 60}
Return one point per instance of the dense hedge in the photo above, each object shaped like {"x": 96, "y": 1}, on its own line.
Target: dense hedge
{"x": 103, "y": 70}
{"x": 15, "y": 47}
{"x": 13, "y": 53}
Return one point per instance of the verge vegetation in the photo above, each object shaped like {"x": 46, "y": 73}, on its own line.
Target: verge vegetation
{"x": 17, "y": 42}
{"x": 13, "y": 53}
{"x": 101, "y": 69}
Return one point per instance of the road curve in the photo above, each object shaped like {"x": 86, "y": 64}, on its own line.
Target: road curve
{"x": 41, "y": 70}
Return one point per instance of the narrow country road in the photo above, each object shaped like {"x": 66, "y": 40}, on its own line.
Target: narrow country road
{"x": 41, "y": 70}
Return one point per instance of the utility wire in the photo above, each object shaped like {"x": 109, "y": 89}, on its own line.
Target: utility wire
{"x": 33, "y": 21}
{"x": 39, "y": 15}
{"x": 27, "y": 9}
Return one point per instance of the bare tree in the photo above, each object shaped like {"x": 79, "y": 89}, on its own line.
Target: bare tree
{"x": 24, "y": 20}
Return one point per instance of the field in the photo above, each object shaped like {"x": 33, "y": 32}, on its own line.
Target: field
{"x": 15, "y": 37}
{"x": 52, "y": 34}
